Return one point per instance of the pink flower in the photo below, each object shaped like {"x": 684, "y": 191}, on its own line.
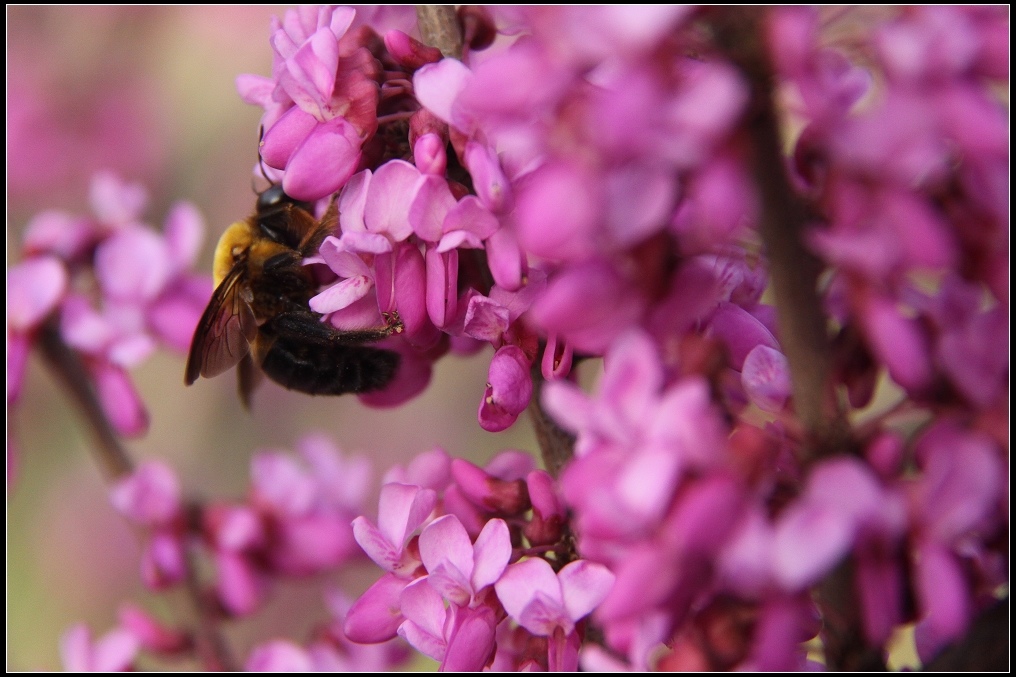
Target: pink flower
{"x": 115, "y": 652}
{"x": 458, "y": 569}
{"x": 401, "y": 509}
{"x": 549, "y": 604}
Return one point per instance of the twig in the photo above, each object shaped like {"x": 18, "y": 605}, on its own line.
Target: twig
{"x": 556, "y": 446}
{"x": 794, "y": 270}
{"x": 439, "y": 28}
{"x": 116, "y": 464}
{"x": 67, "y": 367}
{"x": 740, "y": 34}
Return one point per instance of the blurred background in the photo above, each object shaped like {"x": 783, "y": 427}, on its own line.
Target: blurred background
{"x": 149, "y": 93}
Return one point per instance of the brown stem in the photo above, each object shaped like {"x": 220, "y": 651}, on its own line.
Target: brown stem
{"x": 556, "y": 445}
{"x": 740, "y": 34}
{"x": 116, "y": 463}
{"x": 794, "y": 270}
{"x": 439, "y": 27}
{"x": 69, "y": 369}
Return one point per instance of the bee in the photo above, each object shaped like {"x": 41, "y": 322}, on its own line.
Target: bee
{"x": 259, "y": 318}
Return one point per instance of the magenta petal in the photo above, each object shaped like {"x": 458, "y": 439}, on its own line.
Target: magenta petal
{"x": 60, "y": 234}
{"x": 17, "y": 357}
{"x": 900, "y": 342}
{"x": 431, "y": 204}
{"x": 445, "y": 541}
{"x": 438, "y": 85}
{"x": 425, "y": 616}
{"x": 810, "y": 541}
{"x": 485, "y": 320}
{"x": 255, "y": 89}
{"x": 391, "y": 192}
{"x": 313, "y": 68}
{"x": 353, "y": 201}
{"x": 765, "y": 376}
{"x": 341, "y": 294}
{"x": 163, "y": 562}
{"x": 489, "y": 180}
{"x": 285, "y": 136}
{"x": 239, "y": 587}
{"x": 583, "y": 586}
{"x": 184, "y": 235}
{"x": 150, "y": 495}
{"x": 493, "y": 551}
{"x": 282, "y": 484}
{"x": 34, "y": 288}
{"x": 120, "y": 400}
{"x": 76, "y": 649}
{"x": 942, "y": 593}
{"x": 410, "y": 289}
{"x": 376, "y": 617}
{"x": 401, "y": 509}
{"x": 740, "y": 332}
{"x": 509, "y": 389}
{"x": 116, "y": 202}
{"x": 505, "y": 259}
{"x": 469, "y": 215}
{"x": 558, "y": 211}
{"x": 323, "y": 162}
{"x": 471, "y": 642}
{"x": 557, "y": 358}
{"x": 115, "y": 652}
{"x": 278, "y": 655}
{"x": 442, "y": 286}
{"x": 459, "y": 239}
{"x": 132, "y": 265}
{"x": 151, "y": 634}
{"x": 521, "y": 582}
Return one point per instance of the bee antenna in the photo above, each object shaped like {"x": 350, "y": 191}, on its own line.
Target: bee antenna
{"x": 261, "y": 160}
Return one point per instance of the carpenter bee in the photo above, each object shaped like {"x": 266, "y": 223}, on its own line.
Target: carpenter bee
{"x": 259, "y": 318}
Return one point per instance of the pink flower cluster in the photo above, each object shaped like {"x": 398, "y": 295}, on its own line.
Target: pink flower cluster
{"x": 476, "y": 568}
{"x": 913, "y": 193}
{"x": 113, "y": 286}
{"x": 295, "y": 522}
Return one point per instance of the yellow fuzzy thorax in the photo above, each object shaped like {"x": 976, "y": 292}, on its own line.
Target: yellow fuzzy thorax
{"x": 236, "y": 239}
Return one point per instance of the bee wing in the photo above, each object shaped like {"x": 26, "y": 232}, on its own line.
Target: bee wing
{"x": 248, "y": 377}
{"x": 225, "y": 331}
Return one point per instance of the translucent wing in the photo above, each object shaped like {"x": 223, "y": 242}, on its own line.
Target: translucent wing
{"x": 225, "y": 331}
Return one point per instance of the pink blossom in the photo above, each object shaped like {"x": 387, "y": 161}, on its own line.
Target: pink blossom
{"x": 549, "y": 605}
{"x": 401, "y": 509}
{"x": 458, "y": 569}
{"x": 114, "y": 652}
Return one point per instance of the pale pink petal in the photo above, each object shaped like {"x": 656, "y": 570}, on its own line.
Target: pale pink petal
{"x": 133, "y": 264}
{"x": 431, "y": 205}
{"x": 341, "y": 294}
{"x": 279, "y": 655}
{"x": 445, "y": 541}
{"x": 390, "y": 195}
{"x": 765, "y": 376}
{"x": 438, "y": 85}
{"x": 401, "y": 509}
{"x": 34, "y": 288}
{"x": 583, "y": 586}
{"x": 520, "y": 583}
{"x": 150, "y": 495}
{"x": 493, "y": 550}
